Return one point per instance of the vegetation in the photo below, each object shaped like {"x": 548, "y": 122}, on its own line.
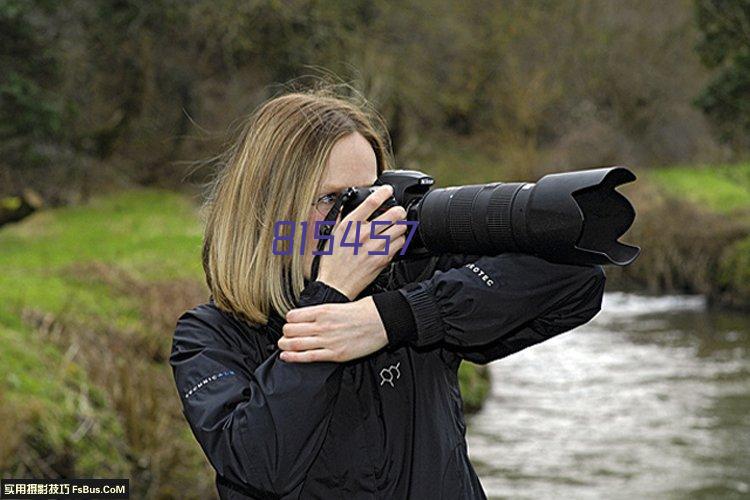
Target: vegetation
{"x": 725, "y": 47}
{"x": 99, "y": 95}
{"x": 89, "y": 298}
{"x": 725, "y": 191}
{"x": 720, "y": 188}
{"x": 693, "y": 224}
{"x": 475, "y": 385}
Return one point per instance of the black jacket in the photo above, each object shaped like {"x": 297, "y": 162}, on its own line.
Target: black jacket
{"x": 386, "y": 426}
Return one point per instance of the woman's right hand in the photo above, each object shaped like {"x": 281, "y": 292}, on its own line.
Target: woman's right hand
{"x": 349, "y": 273}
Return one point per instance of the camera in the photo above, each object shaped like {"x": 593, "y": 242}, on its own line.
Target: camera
{"x": 569, "y": 218}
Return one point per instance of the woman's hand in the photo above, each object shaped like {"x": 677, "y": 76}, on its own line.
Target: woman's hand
{"x": 349, "y": 273}
{"x": 332, "y": 332}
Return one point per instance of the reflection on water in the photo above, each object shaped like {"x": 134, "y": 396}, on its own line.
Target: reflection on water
{"x": 651, "y": 399}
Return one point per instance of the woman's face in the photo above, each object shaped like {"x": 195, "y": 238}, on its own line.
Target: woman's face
{"x": 352, "y": 162}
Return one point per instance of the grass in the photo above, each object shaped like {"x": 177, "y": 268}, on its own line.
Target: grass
{"x": 722, "y": 188}
{"x": 69, "y": 422}
{"x": 51, "y": 398}
{"x": 150, "y": 234}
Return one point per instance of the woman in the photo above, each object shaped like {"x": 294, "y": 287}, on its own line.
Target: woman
{"x": 344, "y": 384}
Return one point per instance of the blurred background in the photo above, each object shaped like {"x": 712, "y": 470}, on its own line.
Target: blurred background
{"x": 110, "y": 115}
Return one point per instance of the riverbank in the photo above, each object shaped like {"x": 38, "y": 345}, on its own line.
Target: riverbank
{"x": 693, "y": 224}
{"x": 729, "y": 196}
{"x": 88, "y": 299}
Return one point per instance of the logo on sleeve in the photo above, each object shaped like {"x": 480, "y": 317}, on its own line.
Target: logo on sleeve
{"x": 207, "y": 380}
{"x": 481, "y": 274}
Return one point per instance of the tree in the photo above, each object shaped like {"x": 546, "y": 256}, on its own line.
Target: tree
{"x": 725, "y": 47}
{"x": 30, "y": 110}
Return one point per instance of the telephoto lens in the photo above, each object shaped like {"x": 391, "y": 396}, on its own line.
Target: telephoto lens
{"x": 568, "y": 218}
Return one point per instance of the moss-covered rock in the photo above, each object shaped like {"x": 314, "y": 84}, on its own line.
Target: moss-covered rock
{"x": 475, "y": 385}
{"x": 733, "y": 277}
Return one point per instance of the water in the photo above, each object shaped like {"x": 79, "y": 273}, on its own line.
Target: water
{"x": 651, "y": 399}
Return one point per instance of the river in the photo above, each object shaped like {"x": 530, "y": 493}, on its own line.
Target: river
{"x": 651, "y": 399}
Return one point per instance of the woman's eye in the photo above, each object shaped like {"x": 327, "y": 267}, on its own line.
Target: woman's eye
{"x": 329, "y": 198}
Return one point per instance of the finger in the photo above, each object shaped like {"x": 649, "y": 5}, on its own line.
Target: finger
{"x": 300, "y": 343}
{"x": 379, "y": 246}
{"x": 299, "y": 329}
{"x": 303, "y": 314}
{"x": 392, "y": 215}
{"x": 379, "y": 243}
{"x": 393, "y": 231}
{"x": 308, "y": 356}
{"x": 396, "y": 245}
{"x": 371, "y": 203}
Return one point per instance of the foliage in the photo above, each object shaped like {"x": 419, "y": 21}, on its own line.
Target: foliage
{"x": 127, "y": 91}
{"x": 725, "y": 47}
{"x": 475, "y": 385}
{"x": 31, "y": 112}
{"x": 691, "y": 223}
{"x": 734, "y": 274}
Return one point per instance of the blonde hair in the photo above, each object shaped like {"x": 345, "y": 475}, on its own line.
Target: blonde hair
{"x": 272, "y": 172}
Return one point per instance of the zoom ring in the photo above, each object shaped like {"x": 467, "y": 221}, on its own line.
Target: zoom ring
{"x": 499, "y": 217}
{"x": 460, "y": 219}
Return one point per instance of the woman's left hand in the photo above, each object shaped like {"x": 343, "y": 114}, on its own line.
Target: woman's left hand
{"x": 332, "y": 332}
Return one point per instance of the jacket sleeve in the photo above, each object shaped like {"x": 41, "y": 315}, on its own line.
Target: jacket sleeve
{"x": 447, "y": 261}
{"x": 417, "y": 269}
{"x": 260, "y": 425}
{"x": 492, "y": 307}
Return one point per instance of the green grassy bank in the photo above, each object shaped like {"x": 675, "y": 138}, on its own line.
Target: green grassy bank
{"x": 88, "y": 296}
{"x": 695, "y": 232}
{"x": 722, "y": 189}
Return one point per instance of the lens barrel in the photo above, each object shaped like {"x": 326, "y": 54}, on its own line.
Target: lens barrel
{"x": 572, "y": 217}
